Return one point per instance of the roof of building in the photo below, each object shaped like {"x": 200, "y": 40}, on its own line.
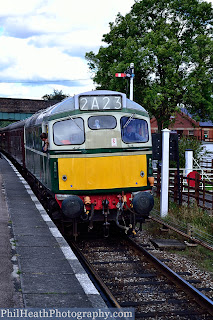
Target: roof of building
{"x": 208, "y": 123}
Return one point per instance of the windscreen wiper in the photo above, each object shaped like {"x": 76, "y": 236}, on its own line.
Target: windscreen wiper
{"x": 129, "y": 120}
{"x": 71, "y": 118}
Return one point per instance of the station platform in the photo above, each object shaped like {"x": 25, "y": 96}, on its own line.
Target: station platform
{"x": 45, "y": 271}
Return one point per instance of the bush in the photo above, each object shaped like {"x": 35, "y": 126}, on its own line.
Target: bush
{"x": 185, "y": 143}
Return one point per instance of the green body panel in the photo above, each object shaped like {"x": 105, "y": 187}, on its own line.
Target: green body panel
{"x": 39, "y": 165}
{"x": 149, "y": 165}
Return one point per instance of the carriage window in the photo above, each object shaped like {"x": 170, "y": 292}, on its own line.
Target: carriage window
{"x": 68, "y": 132}
{"x": 134, "y": 130}
{"x": 102, "y": 122}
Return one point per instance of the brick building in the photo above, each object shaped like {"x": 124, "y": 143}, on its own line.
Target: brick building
{"x": 183, "y": 124}
{"x": 18, "y": 109}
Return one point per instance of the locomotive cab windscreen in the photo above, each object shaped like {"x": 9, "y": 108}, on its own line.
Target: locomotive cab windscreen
{"x": 134, "y": 130}
{"x": 69, "y": 132}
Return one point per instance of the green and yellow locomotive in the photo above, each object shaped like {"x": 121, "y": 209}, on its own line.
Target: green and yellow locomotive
{"x": 98, "y": 164}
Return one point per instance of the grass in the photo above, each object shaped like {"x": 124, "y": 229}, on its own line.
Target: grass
{"x": 199, "y": 220}
{"x": 202, "y": 257}
{"x": 189, "y": 215}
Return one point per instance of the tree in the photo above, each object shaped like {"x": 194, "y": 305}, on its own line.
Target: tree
{"x": 170, "y": 43}
{"x": 190, "y": 143}
{"x": 4, "y": 123}
{"x": 56, "y": 95}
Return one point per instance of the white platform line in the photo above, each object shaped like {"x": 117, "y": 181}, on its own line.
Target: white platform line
{"x": 83, "y": 278}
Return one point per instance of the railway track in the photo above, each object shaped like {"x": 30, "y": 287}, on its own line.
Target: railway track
{"x": 157, "y": 219}
{"x": 132, "y": 277}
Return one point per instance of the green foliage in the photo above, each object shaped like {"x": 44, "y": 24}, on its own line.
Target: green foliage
{"x": 199, "y": 220}
{"x": 201, "y": 256}
{"x": 187, "y": 142}
{"x": 4, "y": 123}
{"x": 56, "y": 95}
{"x": 188, "y": 215}
{"x": 193, "y": 215}
{"x": 170, "y": 44}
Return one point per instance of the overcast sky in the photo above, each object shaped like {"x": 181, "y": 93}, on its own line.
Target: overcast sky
{"x": 42, "y": 41}
{"x": 43, "y": 44}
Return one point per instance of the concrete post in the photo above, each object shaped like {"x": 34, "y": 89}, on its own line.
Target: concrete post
{"x": 164, "y": 198}
{"x": 188, "y": 161}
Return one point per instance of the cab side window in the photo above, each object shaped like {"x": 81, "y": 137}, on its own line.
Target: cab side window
{"x": 69, "y": 132}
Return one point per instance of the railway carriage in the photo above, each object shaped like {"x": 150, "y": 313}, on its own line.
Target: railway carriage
{"x": 98, "y": 165}
{"x": 12, "y": 141}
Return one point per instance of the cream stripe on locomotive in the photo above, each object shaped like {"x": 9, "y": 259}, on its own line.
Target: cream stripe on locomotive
{"x": 91, "y": 155}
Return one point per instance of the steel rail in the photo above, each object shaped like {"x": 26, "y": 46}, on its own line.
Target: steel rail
{"x": 204, "y": 244}
{"x": 97, "y": 278}
{"x": 200, "y": 298}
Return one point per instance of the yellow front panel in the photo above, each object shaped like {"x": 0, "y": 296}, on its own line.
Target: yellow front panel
{"x": 107, "y": 172}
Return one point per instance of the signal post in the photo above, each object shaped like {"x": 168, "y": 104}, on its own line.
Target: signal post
{"x": 128, "y": 74}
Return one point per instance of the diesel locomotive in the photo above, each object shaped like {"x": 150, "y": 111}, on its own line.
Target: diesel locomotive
{"x": 98, "y": 163}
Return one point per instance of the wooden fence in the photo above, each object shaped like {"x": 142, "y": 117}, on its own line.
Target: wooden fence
{"x": 187, "y": 190}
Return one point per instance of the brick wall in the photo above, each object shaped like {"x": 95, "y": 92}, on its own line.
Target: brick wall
{"x": 185, "y": 125}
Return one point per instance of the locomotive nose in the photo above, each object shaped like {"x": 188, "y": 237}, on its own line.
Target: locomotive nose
{"x": 72, "y": 207}
{"x": 143, "y": 203}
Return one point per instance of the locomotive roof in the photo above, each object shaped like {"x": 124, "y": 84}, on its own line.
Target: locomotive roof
{"x": 71, "y": 104}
